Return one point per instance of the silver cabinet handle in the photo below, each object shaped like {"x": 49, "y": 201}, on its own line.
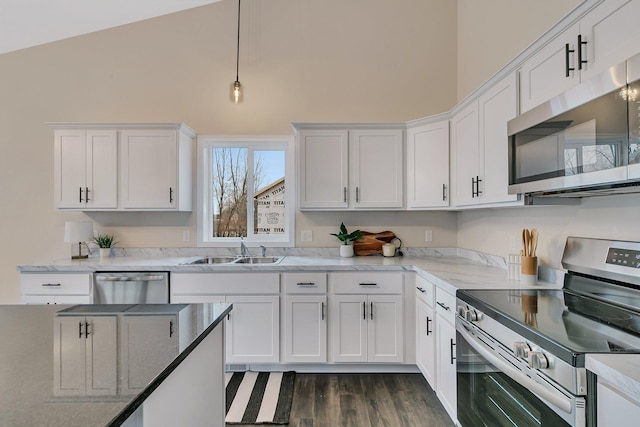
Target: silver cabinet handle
{"x": 306, "y": 284}
{"x": 170, "y": 195}
{"x": 143, "y": 278}
{"x": 364, "y": 310}
{"x": 170, "y": 328}
{"x": 453, "y": 358}
{"x": 428, "y": 321}
{"x": 368, "y": 284}
{"x": 322, "y": 310}
{"x": 86, "y": 329}
{"x": 86, "y": 194}
{"x": 371, "y": 311}
{"x": 357, "y": 194}
{"x": 344, "y": 196}
{"x": 51, "y": 285}
{"x": 420, "y": 289}
{"x": 442, "y": 305}
{"x": 444, "y": 192}
{"x": 79, "y": 330}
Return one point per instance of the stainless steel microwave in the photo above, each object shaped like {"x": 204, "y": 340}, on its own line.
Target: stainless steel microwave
{"x": 584, "y": 142}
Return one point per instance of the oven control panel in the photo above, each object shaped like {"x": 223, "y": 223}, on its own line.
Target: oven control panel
{"x": 623, "y": 257}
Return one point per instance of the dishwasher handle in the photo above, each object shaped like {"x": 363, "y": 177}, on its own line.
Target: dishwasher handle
{"x": 140, "y": 278}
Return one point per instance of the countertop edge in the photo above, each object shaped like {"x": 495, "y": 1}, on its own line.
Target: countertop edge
{"x": 618, "y": 371}
{"x": 155, "y": 383}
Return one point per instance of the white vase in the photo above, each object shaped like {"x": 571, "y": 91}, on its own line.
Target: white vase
{"x": 346, "y": 251}
{"x": 105, "y": 252}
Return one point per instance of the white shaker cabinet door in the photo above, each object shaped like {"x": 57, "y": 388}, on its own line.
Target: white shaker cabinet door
{"x": 497, "y": 106}
{"x": 102, "y": 169}
{"x": 349, "y": 328}
{"x": 324, "y": 166}
{"x": 149, "y": 169}
{"x": 305, "y": 329}
{"x": 69, "y": 168}
{"x": 253, "y": 329}
{"x": 465, "y": 138}
{"x": 376, "y": 174}
{"x": 428, "y": 166}
{"x": 426, "y": 341}
{"x": 446, "y": 382}
{"x": 385, "y": 329}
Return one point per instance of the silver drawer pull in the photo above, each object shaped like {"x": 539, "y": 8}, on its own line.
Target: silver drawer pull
{"x": 51, "y": 285}
{"x": 420, "y": 289}
{"x": 442, "y": 305}
{"x": 368, "y": 284}
{"x": 306, "y": 284}
{"x": 143, "y": 278}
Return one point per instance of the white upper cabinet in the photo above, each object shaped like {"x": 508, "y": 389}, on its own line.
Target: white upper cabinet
{"x": 607, "y": 35}
{"x": 479, "y": 135}
{"x": 496, "y": 106}
{"x": 428, "y": 166}
{"x": 375, "y": 169}
{"x": 324, "y": 169}
{"x": 150, "y": 165}
{"x": 465, "y": 139}
{"x": 123, "y": 166}
{"x": 351, "y": 169}
{"x": 85, "y": 169}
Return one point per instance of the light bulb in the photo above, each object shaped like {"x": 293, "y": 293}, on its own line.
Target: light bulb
{"x": 237, "y": 92}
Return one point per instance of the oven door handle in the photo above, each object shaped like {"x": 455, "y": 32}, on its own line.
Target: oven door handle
{"x": 555, "y": 397}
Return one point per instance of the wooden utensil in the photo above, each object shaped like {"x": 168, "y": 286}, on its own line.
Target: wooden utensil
{"x": 534, "y": 241}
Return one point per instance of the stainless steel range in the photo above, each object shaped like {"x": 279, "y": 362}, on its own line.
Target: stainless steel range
{"x": 521, "y": 353}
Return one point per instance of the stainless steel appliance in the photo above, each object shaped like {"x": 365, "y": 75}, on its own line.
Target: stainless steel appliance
{"x": 144, "y": 287}
{"x": 584, "y": 142}
{"x": 521, "y": 353}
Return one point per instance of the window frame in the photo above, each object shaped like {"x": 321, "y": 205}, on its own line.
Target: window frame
{"x": 203, "y": 188}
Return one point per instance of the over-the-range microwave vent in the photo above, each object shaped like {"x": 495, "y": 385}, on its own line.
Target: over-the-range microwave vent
{"x": 627, "y": 187}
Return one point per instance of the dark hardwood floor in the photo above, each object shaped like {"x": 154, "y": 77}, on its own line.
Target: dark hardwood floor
{"x": 360, "y": 400}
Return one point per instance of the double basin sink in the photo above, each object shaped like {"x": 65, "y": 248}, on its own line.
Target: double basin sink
{"x": 236, "y": 260}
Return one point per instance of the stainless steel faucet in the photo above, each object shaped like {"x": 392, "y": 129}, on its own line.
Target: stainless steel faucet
{"x": 264, "y": 251}
{"x": 243, "y": 248}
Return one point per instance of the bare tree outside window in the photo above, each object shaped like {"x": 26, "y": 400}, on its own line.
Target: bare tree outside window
{"x": 230, "y": 184}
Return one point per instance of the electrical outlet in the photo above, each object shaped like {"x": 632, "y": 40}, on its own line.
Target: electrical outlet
{"x": 306, "y": 236}
{"x": 428, "y": 236}
{"x": 186, "y": 235}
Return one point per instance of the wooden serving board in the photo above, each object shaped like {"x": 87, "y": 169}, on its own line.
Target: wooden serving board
{"x": 371, "y": 243}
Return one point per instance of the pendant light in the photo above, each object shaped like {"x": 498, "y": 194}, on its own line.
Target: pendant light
{"x": 236, "y": 92}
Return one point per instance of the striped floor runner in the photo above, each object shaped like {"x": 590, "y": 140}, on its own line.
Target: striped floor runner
{"x": 259, "y": 397}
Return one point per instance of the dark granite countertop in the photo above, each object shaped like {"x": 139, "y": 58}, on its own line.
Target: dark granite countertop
{"x": 34, "y": 393}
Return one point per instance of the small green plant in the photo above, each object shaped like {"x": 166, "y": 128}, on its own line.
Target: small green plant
{"x": 105, "y": 240}
{"x": 345, "y": 237}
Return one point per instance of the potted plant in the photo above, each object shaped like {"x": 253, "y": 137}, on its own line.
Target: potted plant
{"x": 347, "y": 239}
{"x": 105, "y": 242}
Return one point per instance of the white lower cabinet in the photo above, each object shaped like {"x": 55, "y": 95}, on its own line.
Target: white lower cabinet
{"x": 85, "y": 356}
{"x": 614, "y": 408}
{"x": 253, "y": 329}
{"x": 253, "y": 326}
{"x": 425, "y": 331}
{"x": 304, "y": 328}
{"x": 446, "y": 351}
{"x": 55, "y": 288}
{"x": 367, "y": 317}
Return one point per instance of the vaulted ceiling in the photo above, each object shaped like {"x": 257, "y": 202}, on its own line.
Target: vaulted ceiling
{"x": 27, "y": 23}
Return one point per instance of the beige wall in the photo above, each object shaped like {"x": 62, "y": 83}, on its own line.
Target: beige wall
{"x": 492, "y": 33}
{"x": 361, "y": 60}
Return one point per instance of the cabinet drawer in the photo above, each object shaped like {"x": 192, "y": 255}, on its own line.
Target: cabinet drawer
{"x": 305, "y": 283}
{"x": 225, "y": 283}
{"x": 446, "y": 305}
{"x": 366, "y": 283}
{"x": 424, "y": 290}
{"x": 55, "y": 284}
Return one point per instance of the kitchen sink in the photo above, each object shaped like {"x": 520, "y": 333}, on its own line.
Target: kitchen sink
{"x": 213, "y": 260}
{"x": 258, "y": 260}
{"x": 235, "y": 260}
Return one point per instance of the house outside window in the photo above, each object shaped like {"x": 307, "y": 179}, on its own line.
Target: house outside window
{"x": 241, "y": 191}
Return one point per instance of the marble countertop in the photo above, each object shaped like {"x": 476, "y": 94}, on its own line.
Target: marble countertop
{"x": 29, "y": 397}
{"x": 448, "y": 271}
{"x": 622, "y": 371}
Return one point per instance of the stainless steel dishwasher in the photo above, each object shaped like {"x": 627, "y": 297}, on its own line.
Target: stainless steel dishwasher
{"x": 144, "y": 287}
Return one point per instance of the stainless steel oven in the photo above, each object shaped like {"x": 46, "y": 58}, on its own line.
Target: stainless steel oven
{"x": 521, "y": 353}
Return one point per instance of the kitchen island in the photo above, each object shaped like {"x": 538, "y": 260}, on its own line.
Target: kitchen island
{"x": 119, "y": 378}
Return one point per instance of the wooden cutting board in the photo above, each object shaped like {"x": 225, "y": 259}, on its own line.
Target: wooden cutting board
{"x": 371, "y": 243}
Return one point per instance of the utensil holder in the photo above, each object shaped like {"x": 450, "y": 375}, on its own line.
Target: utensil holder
{"x": 529, "y": 270}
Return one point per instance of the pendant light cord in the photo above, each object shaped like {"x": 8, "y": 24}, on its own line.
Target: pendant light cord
{"x": 238, "y": 45}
